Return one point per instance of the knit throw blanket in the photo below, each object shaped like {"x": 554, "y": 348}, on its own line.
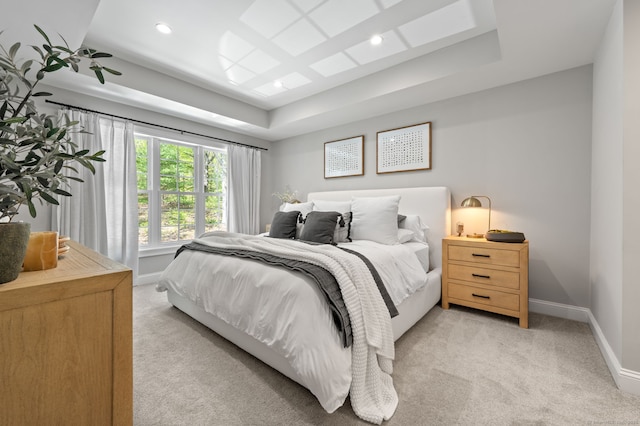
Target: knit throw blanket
{"x": 372, "y": 394}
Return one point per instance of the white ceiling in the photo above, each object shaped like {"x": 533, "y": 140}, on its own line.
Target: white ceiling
{"x": 219, "y": 64}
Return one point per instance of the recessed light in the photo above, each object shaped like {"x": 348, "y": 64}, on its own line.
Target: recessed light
{"x": 376, "y": 39}
{"x": 278, "y": 84}
{"x": 163, "y": 28}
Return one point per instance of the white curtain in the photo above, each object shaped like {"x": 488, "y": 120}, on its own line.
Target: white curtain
{"x": 244, "y": 189}
{"x": 102, "y": 214}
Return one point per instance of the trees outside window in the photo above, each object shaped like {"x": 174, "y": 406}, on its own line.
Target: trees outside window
{"x": 182, "y": 190}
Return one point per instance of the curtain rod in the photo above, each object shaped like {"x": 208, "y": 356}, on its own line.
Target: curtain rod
{"x": 155, "y": 125}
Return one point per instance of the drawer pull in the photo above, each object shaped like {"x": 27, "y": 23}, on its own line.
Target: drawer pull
{"x": 480, "y": 255}
{"x": 481, "y": 276}
{"x": 481, "y": 296}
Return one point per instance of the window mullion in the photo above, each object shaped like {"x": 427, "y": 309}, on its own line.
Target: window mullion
{"x": 155, "y": 213}
{"x": 199, "y": 190}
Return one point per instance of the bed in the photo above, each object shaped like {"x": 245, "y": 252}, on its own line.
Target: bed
{"x": 309, "y": 351}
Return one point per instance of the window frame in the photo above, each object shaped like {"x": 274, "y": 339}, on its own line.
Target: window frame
{"x": 155, "y": 137}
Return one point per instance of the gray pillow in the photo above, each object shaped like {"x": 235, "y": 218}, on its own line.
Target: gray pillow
{"x": 283, "y": 224}
{"x": 319, "y": 227}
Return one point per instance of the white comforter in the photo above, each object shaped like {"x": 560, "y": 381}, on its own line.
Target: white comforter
{"x": 286, "y": 311}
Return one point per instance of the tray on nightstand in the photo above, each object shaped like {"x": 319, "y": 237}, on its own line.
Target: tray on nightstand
{"x": 504, "y": 236}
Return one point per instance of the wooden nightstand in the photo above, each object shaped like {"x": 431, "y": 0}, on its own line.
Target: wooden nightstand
{"x": 486, "y": 275}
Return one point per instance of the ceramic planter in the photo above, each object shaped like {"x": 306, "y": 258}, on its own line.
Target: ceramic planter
{"x": 14, "y": 237}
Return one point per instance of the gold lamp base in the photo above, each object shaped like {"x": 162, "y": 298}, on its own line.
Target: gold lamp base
{"x": 474, "y": 235}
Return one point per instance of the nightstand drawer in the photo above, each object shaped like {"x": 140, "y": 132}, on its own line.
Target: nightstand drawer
{"x": 485, "y": 297}
{"x": 485, "y": 276}
{"x": 487, "y": 256}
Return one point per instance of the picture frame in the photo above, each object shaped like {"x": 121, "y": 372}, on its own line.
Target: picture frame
{"x": 344, "y": 157}
{"x": 404, "y": 149}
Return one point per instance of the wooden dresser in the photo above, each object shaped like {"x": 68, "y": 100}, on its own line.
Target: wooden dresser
{"x": 66, "y": 343}
{"x": 486, "y": 275}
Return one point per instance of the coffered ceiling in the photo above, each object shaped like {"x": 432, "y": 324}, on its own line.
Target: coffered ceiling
{"x": 278, "y": 68}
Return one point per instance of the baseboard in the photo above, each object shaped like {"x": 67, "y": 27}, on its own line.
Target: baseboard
{"x": 559, "y": 310}
{"x": 147, "y": 278}
{"x": 626, "y": 380}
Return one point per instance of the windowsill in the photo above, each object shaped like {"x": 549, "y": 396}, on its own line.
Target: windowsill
{"x": 159, "y": 250}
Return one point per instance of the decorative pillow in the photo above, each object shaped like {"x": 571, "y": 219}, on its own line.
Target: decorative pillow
{"x": 319, "y": 227}
{"x": 375, "y": 219}
{"x": 331, "y": 206}
{"x": 415, "y": 225}
{"x": 404, "y": 235}
{"x": 342, "y": 233}
{"x": 284, "y": 224}
{"x": 303, "y": 208}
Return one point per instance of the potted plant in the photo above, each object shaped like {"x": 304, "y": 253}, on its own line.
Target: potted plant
{"x": 36, "y": 151}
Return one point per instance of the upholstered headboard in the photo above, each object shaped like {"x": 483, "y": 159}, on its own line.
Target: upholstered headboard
{"x": 432, "y": 204}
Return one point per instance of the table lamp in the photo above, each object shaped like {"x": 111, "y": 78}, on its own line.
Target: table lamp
{"x": 474, "y": 202}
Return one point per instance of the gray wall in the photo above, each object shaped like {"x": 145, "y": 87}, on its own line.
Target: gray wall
{"x": 606, "y": 186}
{"x": 615, "y": 250}
{"x": 526, "y": 145}
{"x": 631, "y": 177}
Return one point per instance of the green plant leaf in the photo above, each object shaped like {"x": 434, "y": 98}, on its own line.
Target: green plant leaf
{"x": 52, "y": 132}
{"x": 99, "y": 75}
{"x": 58, "y": 166}
{"x": 101, "y": 55}
{"x": 111, "y": 71}
{"x": 48, "y": 198}
{"x": 43, "y": 34}
{"x": 52, "y": 67}
{"x": 32, "y": 208}
{"x": 26, "y": 66}
{"x": 64, "y": 49}
{"x": 35, "y": 95}
{"x": 16, "y": 120}
{"x": 62, "y": 192}
{"x": 37, "y": 49}
{"x": 13, "y": 50}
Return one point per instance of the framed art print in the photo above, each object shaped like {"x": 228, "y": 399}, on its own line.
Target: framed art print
{"x": 344, "y": 157}
{"x": 404, "y": 149}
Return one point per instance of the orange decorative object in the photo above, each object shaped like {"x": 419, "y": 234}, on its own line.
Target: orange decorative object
{"x": 42, "y": 251}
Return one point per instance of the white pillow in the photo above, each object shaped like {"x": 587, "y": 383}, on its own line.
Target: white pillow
{"x": 375, "y": 219}
{"x": 415, "y": 225}
{"x": 303, "y": 208}
{"x": 405, "y": 235}
{"x": 332, "y": 206}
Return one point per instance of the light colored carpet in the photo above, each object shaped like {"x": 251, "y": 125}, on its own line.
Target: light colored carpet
{"x": 458, "y": 366}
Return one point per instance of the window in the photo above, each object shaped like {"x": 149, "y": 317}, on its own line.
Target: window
{"x": 182, "y": 190}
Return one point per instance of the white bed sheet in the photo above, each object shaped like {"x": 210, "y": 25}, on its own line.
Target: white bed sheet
{"x": 398, "y": 266}
{"x": 421, "y": 251}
